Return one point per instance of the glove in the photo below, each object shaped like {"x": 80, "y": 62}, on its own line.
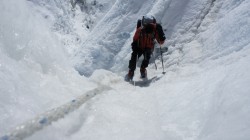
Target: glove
{"x": 135, "y": 46}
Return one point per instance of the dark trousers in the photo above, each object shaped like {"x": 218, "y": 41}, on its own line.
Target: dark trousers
{"x": 136, "y": 54}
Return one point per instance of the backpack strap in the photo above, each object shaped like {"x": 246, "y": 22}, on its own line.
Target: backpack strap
{"x": 138, "y": 23}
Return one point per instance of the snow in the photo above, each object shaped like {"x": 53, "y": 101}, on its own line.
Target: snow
{"x": 50, "y": 60}
{"x": 34, "y": 68}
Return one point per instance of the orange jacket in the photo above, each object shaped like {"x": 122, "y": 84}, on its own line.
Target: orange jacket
{"x": 146, "y": 40}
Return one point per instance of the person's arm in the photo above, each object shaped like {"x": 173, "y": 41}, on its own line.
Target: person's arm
{"x": 160, "y": 36}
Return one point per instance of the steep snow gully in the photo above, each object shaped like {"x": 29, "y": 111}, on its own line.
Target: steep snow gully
{"x": 204, "y": 94}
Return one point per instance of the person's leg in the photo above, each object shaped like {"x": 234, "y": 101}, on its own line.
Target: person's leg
{"x": 147, "y": 56}
{"x": 145, "y": 62}
{"x": 137, "y": 52}
{"x": 132, "y": 61}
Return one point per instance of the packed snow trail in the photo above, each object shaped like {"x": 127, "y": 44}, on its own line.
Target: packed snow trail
{"x": 130, "y": 115}
{"x": 27, "y": 129}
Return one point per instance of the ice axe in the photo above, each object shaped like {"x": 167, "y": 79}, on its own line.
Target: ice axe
{"x": 162, "y": 60}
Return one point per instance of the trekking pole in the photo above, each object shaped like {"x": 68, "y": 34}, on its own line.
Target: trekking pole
{"x": 162, "y": 60}
{"x": 154, "y": 60}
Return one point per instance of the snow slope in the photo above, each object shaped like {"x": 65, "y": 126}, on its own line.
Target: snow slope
{"x": 34, "y": 69}
{"x": 204, "y": 94}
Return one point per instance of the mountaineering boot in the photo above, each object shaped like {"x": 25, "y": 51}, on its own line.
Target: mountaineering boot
{"x": 143, "y": 73}
{"x": 130, "y": 75}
